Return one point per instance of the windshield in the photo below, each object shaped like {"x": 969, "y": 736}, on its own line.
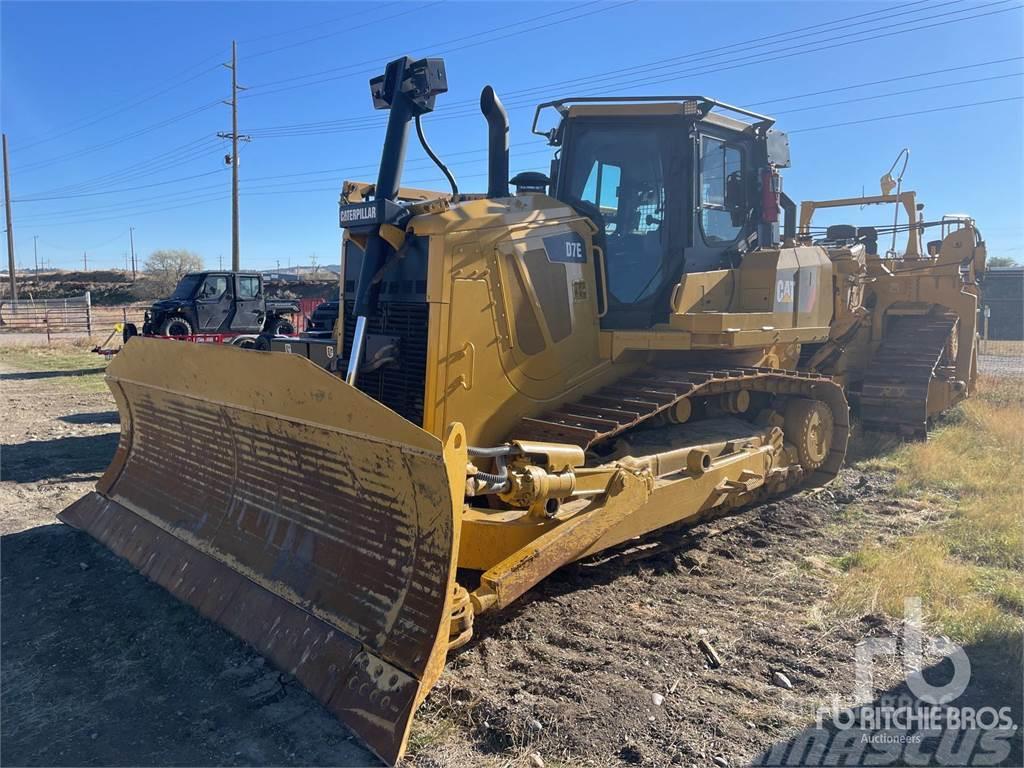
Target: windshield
{"x": 621, "y": 169}
{"x": 186, "y": 287}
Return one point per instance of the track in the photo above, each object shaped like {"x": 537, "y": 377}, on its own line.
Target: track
{"x": 894, "y": 395}
{"x": 653, "y": 391}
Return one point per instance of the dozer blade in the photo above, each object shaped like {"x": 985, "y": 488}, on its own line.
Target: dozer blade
{"x": 300, "y": 514}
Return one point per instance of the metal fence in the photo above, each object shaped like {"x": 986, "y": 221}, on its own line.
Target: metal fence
{"x": 79, "y": 315}
{"x": 50, "y": 315}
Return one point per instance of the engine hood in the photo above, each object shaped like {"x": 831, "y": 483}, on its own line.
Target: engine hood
{"x": 165, "y": 305}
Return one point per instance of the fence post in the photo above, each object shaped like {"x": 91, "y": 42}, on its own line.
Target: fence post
{"x": 46, "y": 322}
{"x": 88, "y": 313}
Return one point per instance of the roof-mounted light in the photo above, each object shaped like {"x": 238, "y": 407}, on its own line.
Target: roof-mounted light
{"x": 691, "y": 108}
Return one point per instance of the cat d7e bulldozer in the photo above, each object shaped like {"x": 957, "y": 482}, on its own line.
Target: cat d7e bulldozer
{"x": 521, "y": 380}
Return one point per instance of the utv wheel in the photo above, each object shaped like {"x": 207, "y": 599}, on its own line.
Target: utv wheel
{"x": 176, "y": 326}
{"x": 808, "y": 427}
{"x": 282, "y": 327}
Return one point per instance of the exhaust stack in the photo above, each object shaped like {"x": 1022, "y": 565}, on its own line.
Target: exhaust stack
{"x": 497, "y": 143}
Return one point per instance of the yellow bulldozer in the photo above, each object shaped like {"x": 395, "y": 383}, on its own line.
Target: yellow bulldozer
{"x": 519, "y": 380}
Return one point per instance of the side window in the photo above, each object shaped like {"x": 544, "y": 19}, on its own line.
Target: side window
{"x": 248, "y": 287}
{"x": 722, "y": 196}
{"x": 214, "y": 287}
{"x": 602, "y": 189}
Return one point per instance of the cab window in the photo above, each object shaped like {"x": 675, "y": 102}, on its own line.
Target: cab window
{"x": 248, "y": 287}
{"x": 214, "y": 287}
{"x": 619, "y": 170}
{"x": 722, "y": 209}
{"x": 602, "y": 189}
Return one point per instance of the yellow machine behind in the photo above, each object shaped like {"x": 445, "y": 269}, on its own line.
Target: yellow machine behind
{"x": 518, "y": 381}
{"x": 908, "y": 351}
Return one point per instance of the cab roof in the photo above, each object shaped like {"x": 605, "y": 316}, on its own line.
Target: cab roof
{"x": 698, "y": 107}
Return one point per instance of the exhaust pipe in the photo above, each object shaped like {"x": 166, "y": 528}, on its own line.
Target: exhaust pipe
{"x": 497, "y": 143}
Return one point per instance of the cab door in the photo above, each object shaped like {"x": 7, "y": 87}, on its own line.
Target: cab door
{"x": 214, "y": 302}
{"x": 724, "y": 216}
{"x": 248, "y": 315}
{"x": 627, "y": 177}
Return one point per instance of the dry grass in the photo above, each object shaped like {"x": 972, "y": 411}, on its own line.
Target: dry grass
{"x": 968, "y": 569}
{"x": 64, "y": 357}
{"x": 84, "y": 369}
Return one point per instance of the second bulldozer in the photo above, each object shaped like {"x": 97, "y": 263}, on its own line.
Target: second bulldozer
{"x": 520, "y": 380}
{"x": 907, "y": 351}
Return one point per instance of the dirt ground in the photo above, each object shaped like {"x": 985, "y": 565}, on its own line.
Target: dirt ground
{"x": 100, "y": 666}
{"x": 599, "y": 665}
{"x": 584, "y": 654}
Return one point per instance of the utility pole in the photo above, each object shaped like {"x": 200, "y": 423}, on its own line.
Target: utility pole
{"x": 10, "y": 225}
{"x": 35, "y": 252}
{"x": 220, "y": 261}
{"x": 131, "y": 240}
{"x": 85, "y": 261}
{"x": 232, "y": 159}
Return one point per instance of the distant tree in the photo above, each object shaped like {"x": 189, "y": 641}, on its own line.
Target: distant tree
{"x": 166, "y": 268}
{"x": 1000, "y": 261}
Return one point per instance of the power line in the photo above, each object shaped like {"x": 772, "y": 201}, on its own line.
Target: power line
{"x": 267, "y": 189}
{"x": 425, "y": 164}
{"x": 149, "y": 96}
{"x": 786, "y": 52}
{"x": 322, "y": 23}
{"x": 949, "y": 108}
{"x": 887, "y": 80}
{"x": 363, "y": 123}
{"x": 77, "y": 248}
{"x": 434, "y": 46}
{"x": 344, "y": 31}
{"x": 789, "y": 36}
{"x": 780, "y": 99}
{"x": 172, "y": 158}
{"x": 648, "y": 65}
{"x": 120, "y": 139}
{"x": 115, "y": 191}
{"x": 103, "y": 116}
{"x": 897, "y": 93}
{"x": 220, "y": 198}
{"x": 138, "y": 213}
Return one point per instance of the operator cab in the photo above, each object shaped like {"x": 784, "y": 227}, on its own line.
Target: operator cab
{"x": 673, "y": 187}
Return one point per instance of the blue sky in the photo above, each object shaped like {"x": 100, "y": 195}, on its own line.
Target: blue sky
{"x": 112, "y": 109}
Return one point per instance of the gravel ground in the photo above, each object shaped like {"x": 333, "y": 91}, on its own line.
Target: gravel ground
{"x": 99, "y": 665}
{"x": 1000, "y": 365}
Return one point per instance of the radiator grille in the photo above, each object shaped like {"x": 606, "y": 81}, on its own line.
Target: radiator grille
{"x": 400, "y": 387}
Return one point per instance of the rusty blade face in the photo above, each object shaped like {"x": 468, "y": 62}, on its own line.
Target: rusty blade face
{"x": 290, "y": 508}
